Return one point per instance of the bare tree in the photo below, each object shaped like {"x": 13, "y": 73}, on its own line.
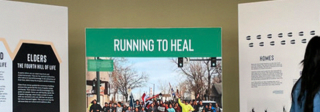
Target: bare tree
{"x": 195, "y": 74}
{"x": 211, "y": 71}
{"x": 113, "y": 77}
{"x": 216, "y": 83}
{"x": 124, "y": 77}
{"x": 182, "y": 87}
{"x": 163, "y": 86}
{"x": 219, "y": 70}
{"x": 200, "y": 75}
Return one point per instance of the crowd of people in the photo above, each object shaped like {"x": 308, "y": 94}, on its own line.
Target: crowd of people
{"x": 157, "y": 106}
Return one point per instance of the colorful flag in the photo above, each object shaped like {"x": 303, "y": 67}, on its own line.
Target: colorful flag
{"x": 131, "y": 100}
{"x": 147, "y": 101}
{"x": 172, "y": 91}
{"x": 143, "y": 97}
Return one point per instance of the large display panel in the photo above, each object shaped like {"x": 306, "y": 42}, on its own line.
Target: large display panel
{"x": 33, "y": 57}
{"x": 272, "y": 39}
{"x": 133, "y": 64}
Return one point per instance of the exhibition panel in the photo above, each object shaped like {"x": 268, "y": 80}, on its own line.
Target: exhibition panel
{"x": 33, "y": 57}
{"x": 5, "y": 76}
{"x": 272, "y": 39}
{"x": 136, "y": 67}
{"x": 153, "y": 42}
{"x": 143, "y": 14}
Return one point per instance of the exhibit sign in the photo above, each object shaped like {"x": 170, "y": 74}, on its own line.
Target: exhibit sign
{"x": 272, "y": 39}
{"x": 100, "y": 65}
{"x": 36, "y": 74}
{"x": 33, "y": 57}
{"x": 5, "y": 76}
{"x": 153, "y": 42}
{"x": 173, "y": 58}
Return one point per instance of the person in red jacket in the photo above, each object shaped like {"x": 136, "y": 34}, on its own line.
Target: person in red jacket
{"x": 177, "y": 108}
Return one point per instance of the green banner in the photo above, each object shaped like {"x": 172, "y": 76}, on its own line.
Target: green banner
{"x": 100, "y": 65}
{"x": 153, "y": 42}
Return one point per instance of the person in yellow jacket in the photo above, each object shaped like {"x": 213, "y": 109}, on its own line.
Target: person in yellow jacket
{"x": 190, "y": 108}
{"x": 185, "y": 107}
{"x": 90, "y": 106}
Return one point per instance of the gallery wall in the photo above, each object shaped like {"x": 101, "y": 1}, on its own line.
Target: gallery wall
{"x": 36, "y": 76}
{"x": 151, "y": 13}
{"x": 271, "y": 50}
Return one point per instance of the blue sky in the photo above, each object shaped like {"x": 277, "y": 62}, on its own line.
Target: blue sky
{"x": 162, "y": 69}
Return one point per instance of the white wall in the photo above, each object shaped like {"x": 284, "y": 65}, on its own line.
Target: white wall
{"x": 47, "y": 23}
{"x": 273, "y": 17}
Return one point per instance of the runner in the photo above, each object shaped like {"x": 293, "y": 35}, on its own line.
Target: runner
{"x": 185, "y": 108}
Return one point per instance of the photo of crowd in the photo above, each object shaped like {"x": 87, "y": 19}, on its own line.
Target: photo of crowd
{"x": 190, "y": 85}
{"x": 177, "y": 105}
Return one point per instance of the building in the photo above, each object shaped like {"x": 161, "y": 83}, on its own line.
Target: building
{"x": 91, "y": 84}
{"x": 217, "y": 92}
